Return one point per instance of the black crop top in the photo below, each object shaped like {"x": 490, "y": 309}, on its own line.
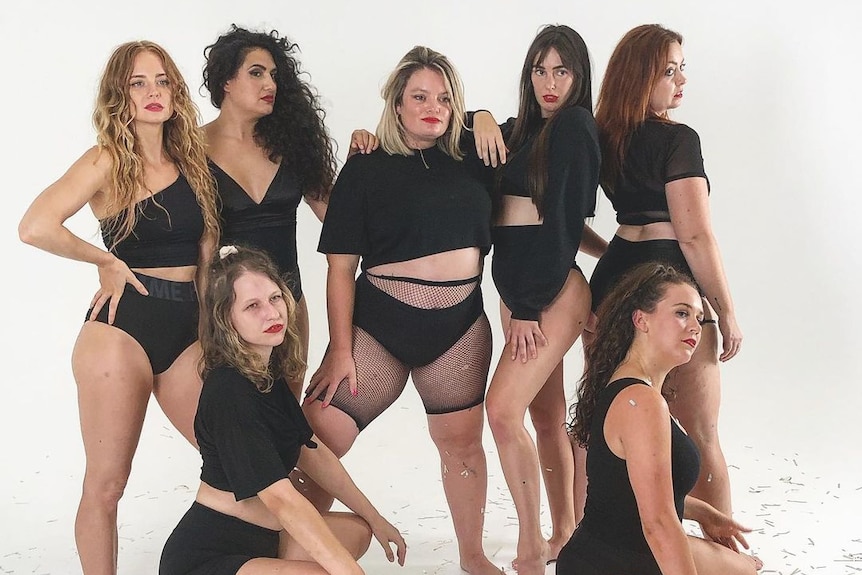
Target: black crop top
{"x": 248, "y": 440}
{"x": 167, "y": 232}
{"x": 392, "y": 208}
{"x": 611, "y": 512}
{"x": 658, "y": 153}
{"x": 529, "y": 280}
{"x": 269, "y": 226}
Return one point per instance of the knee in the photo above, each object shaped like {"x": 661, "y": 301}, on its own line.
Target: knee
{"x": 504, "y": 421}
{"x": 105, "y": 491}
{"x": 363, "y": 538}
{"x": 548, "y": 421}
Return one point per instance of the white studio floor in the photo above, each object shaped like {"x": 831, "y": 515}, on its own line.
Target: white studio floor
{"x": 804, "y": 510}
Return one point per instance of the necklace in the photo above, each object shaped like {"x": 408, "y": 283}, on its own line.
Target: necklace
{"x": 421, "y": 155}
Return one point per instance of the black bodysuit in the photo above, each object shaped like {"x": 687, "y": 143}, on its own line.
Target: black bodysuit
{"x": 609, "y": 539}
{"x": 269, "y": 226}
{"x": 531, "y": 263}
{"x": 660, "y": 152}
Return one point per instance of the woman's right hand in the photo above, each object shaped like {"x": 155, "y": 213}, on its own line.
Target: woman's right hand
{"x": 335, "y": 368}
{"x": 386, "y": 534}
{"x": 489, "y": 139}
{"x": 523, "y": 336}
{"x": 731, "y": 336}
{"x": 113, "y": 277}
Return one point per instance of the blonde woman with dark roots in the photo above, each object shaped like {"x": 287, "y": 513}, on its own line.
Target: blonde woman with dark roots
{"x": 416, "y": 214}
{"x": 252, "y": 434}
{"x": 148, "y": 183}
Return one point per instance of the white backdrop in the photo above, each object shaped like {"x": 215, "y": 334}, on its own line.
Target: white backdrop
{"x": 773, "y": 91}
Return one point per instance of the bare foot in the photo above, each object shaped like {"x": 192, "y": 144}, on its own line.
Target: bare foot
{"x": 526, "y": 564}
{"x": 556, "y": 545}
{"x": 479, "y": 565}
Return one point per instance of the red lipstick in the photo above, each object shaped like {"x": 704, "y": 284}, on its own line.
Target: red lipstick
{"x": 275, "y": 328}
{"x": 431, "y": 120}
{"x": 154, "y": 107}
{"x": 690, "y": 341}
{"x": 550, "y": 98}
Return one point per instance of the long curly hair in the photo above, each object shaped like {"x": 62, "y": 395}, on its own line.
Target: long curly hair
{"x": 637, "y": 62}
{"x": 639, "y": 289}
{"x": 221, "y": 343}
{"x": 183, "y": 141}
{"x": 576, "y": 58}
{"x": 294, "y": 133}
{"x": 390, "y": 130}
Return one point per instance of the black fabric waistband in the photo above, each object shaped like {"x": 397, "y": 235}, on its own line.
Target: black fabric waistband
{"x": 167, "y": 289}
{"x": 418, "y": 281}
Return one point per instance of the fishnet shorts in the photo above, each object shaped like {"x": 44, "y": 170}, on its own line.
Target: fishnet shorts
{"x": 436, "y": 332}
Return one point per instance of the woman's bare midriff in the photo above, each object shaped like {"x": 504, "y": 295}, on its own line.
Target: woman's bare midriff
{"x": 517, "y": 211}
{"x": 460, "y": 264}
{"x": 177, "y": 274}
{"x": 251, "y": 510}
{"x": 656, "y": 231}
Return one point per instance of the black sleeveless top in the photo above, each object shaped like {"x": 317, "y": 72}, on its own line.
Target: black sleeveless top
{"x": 269, "y": 226}
{"x": 167, "y": 232}
{"x": 611, "y": 512}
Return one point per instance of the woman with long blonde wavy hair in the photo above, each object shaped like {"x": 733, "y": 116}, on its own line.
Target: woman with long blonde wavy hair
{"x": 147, "y": 182}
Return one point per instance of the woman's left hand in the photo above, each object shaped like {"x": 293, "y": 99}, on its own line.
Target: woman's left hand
{"x": 524, "y": 336}
{"x": 386, "y": 534}
{"x": 723, "y": 530}
{"x": 731, "y": 336}
{"x": 362, "y": 142}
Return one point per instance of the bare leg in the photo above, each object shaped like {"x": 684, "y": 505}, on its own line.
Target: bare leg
{"x": 178, "y": 391}
{"x": 351, "y": 530}
{"x": 458, "y": 437}
{"x": 580, "y": 486}
{"x": 114, "y": 382}
{"x": 694, "y": 395}
{"x": 338, "y": 432}
{"x": 714, "y": 559}
{"x": 513, "y": 388}
{"x": 302, "y": 325}
{"x": 548, "y": 414}
{"x": 580, "y": 453}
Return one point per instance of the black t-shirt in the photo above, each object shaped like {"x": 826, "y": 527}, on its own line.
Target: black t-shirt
{"x": 248, "y": 440}
{"x": 536, "y": 278}
{"x": 659, "y": 152}
{"x": 611, "y": 511}
{"x": 394, "y": 208}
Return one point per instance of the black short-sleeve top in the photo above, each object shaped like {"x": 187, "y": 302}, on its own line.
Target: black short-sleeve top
{"x": 393, "y": 208}
{"x": 611, "y": 510}
{"x": 659, "y": 152}
{"x": 574, "y": 158}
{"x": 167, "y": 232}
{"x": 248, "y": 439}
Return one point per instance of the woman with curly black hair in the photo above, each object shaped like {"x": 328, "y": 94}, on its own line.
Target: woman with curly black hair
{"x": 268, "y": 149}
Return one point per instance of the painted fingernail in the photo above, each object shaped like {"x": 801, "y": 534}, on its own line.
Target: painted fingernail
{"x": 354, "y": 392}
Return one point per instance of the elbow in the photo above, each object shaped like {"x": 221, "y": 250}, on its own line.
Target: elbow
{"x": 659, "y": 530}
{"x": 29, "y": 232}
{"x": 696, "y": 240}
